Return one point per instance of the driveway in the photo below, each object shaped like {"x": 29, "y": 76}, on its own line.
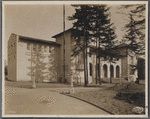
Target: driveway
{"x": 45, "y": 101}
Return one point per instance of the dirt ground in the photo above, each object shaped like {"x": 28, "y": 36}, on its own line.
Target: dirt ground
{"x": 114, "y": 98}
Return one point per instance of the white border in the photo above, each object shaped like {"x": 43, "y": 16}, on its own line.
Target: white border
{"x": 74, "y": 2}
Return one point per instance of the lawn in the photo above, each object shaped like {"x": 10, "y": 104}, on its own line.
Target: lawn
{"x": 119, "y": 99}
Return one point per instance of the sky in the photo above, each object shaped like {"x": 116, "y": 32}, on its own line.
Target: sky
{"x": 44, "y": 21}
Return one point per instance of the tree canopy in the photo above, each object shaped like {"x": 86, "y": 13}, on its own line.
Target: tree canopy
{"x": 135, "y": 28}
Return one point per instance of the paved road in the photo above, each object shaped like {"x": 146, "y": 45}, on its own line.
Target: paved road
{"x": 45, "y": 101}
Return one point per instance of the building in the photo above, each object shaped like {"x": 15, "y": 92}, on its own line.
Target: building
{"x": 28, "y": 57}
{"x": 121, "y": 69}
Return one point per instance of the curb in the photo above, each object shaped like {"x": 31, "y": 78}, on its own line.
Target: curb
{"x": 89, "y": 103}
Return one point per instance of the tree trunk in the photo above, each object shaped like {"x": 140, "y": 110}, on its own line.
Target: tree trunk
{"x": 84, "y": 68}
{"x": 84, "y": 54}
{"x": 86, "y": 65}
{"x": 96, "y": 61}
{"x": 99, "y": 64}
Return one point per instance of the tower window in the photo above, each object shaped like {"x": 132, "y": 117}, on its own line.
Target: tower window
{"x": 34, "y": 47}
{"x": 117, "y": 59}
{"x": 40, "y": 47}
{"x": 89, "y": 54}
{"x": 45, "y": 48}
{"x": 105, "y": 58}
{"x": 50, "y": 49}
{"x": 28, "y": 46}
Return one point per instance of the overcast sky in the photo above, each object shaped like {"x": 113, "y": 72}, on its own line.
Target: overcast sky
{"x": 44, "y": 21}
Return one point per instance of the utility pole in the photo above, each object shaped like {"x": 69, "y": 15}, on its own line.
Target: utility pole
{"x": 64, "y": 40}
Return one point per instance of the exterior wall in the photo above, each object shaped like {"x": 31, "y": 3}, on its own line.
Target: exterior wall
{"x": 23, "y": 63}
{"x": 43, "y": 64}
{"x": 141, "y": 68}
{"x": 12, "y": 55}
{"x": 48, "y": 66}
{"x": 132, "y": 60}
{"x": 92, "y": 60}
{"x": 60, "y": 40}
{"x": 124, "y": 65}
{"x": 60, "y": 74}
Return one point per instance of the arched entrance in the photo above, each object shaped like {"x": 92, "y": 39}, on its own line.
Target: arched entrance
{"x": 112, "y": 71}
{"x": 117, "y": 71}
{"x": 105, "y": 70}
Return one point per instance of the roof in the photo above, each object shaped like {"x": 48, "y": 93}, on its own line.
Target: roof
{"x": 122, "y": 45}
{"x": 38, "y": 40}
{"x": 115, "y": 51}
{"x": 61, "y": 33}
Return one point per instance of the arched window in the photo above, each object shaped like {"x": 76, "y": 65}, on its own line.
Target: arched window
{"x": 90, "y": 69}
{"x": 117, "y": 71}
{"x": 105, "y": 70}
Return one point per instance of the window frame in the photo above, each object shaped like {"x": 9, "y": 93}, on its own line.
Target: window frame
{"x": 50, "y": 49}
{"x": 45, "y": 48}
{"x": 28, "y": 46}
{"x": 34, "y": 47}
{"x": 39, "y": 48}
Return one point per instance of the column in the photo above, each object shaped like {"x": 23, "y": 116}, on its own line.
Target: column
{"x": 108, "y": 71}
{"x": 102, "y": 72}
{"x": 120, "y": 73}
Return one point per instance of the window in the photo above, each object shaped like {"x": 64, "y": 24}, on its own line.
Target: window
{"x": 50, "y": 49}
{"x": 90, "y": 69}
{"x": 89, "y": 54}
{"x": 28, "y": 46}
{"x": 34, "y": 47}
{"x": 40, "y": 47}
{"x": 105, "y": 58}
{"x": 45, "y": 48}
{"x": 131, "y": 59}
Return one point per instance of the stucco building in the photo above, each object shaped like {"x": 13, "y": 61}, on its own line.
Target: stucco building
{"x": 45, "y": 59}
{"x": 30, "y": 56}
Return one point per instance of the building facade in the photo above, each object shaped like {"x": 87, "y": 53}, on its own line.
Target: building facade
{"x": 28, "y": 57}
{"x": 44, "y": 60}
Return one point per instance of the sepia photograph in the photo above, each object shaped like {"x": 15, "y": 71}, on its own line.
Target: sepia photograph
{"x": 75, "y": 59}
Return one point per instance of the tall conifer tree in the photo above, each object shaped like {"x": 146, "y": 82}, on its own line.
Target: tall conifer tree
{"x": 92, "y": 24}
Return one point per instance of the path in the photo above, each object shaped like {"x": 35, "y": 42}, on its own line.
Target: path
{"x": 45, "y": 101}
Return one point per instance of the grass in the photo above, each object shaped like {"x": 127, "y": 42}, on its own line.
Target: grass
{"x": 108, "y": 99}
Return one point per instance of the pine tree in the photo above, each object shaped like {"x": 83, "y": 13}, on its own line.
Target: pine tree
{"x": 104, "y": 32}
{"x": 82, "y": 33}
{"x": 92, "y": 25}
{"x": 135, "y": 30}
